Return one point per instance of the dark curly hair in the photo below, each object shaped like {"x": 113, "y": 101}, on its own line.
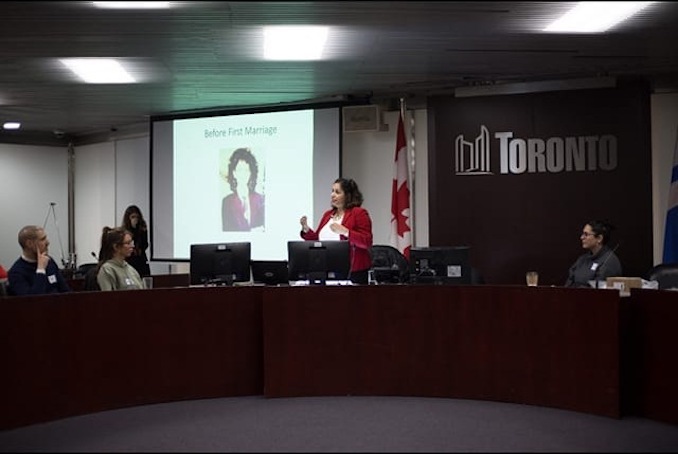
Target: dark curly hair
{"x": 243, "y": 154}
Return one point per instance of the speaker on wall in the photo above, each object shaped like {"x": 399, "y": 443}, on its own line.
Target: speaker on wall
{"x": 362, "y": 118}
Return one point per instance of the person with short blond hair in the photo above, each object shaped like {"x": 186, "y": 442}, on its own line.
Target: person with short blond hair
{"x": 35, "y": 272}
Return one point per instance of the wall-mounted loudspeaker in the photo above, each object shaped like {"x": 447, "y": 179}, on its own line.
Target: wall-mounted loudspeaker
{"x": 362, "y": 118}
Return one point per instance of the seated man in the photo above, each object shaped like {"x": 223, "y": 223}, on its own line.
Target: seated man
{"x": 35, "y": 272}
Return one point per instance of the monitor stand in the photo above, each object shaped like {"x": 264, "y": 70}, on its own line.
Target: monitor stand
{"x": 317, "y": 278}
{"x": 223, "y": 279}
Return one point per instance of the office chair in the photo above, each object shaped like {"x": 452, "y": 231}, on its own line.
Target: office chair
{"x": 389, "y": 264}
{"x": 91, "y": 283}
{"x": 666, "y": 274}
{"x": 82, "y": 270}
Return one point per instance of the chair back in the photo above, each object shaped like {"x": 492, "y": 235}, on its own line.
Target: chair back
{"x": 82, "y": 270}
{"x": 389, "y": 264}
{"x": 91, "y": 283}
{"x": 666, "y": 274}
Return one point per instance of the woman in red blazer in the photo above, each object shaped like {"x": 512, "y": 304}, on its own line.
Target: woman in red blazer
{"x": 346, "y": 220}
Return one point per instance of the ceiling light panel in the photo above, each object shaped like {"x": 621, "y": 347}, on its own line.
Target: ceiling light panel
{"x": 595, "y": 17}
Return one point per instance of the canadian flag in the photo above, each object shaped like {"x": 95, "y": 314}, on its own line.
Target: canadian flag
{"x": 401, "y": 233}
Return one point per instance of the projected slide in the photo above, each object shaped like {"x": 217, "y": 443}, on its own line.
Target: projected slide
{"x": 246, "y": 177}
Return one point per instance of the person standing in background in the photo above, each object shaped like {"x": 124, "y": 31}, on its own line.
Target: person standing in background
{"x": 35, "y": 272}
{"x": 114, "y": 273}
{"x": 133, "y": 221}
{"x": 346, "y": 221}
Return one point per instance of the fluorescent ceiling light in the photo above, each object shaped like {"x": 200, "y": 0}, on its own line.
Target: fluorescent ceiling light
{"x": 132, "y": 5}
{"x": 294, "y": 43}
{"x": 595, "y": 17}
{"x": 98, "y": 70}
{"x": 12, "y": 125}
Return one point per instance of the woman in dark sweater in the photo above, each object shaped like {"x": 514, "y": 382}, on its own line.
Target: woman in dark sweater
{"x": 135, "y": 223}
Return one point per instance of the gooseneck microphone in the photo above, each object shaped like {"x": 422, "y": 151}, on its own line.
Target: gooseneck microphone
{"x": 94, "y": 255}
{"x": 602, "y": 264}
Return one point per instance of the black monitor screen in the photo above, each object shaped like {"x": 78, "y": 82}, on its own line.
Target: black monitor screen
{"x": 318, "y": 261}
{"x": 440, "y": 265}
{"x": 220, "y": 263}
{"x": 270, "y": 272}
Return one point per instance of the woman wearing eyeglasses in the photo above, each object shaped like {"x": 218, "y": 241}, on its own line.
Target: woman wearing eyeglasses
{"x": 599, "y": 261}
{"x": 114, "y": 272}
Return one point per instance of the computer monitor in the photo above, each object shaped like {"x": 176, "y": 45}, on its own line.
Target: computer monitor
{"x": 440, "y": 265}
{"x": 220, "y": 263}
{"x": 269, "y": 272}
{"x": 318, "y": 261}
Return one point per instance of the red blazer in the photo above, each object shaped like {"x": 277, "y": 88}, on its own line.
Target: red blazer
{"x": 233, "y": 213}
{"x": 357, "y": 221}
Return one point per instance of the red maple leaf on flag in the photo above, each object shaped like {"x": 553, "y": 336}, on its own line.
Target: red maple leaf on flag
{"x": 401, "y": 238}
{"x": 399, "y": 203}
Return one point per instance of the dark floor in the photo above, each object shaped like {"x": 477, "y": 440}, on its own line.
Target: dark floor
{"x": 340, "y": 424}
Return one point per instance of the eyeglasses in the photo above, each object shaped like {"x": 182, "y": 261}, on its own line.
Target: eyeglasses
{"x": 587, "y": 234}
{"x": 128, "y": 242}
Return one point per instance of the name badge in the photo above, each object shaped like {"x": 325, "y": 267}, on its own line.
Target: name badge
{"x": 51, "y": 279}
{"x": 594, "y": 266}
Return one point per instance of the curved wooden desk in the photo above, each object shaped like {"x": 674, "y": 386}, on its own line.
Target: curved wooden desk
{"x": 652, "y": 349}
{"x": 83, "y": 352}
{"x": 65, "y": 355}
{"x": 546, "y": 346}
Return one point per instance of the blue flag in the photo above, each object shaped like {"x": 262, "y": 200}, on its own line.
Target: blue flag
{"x": 671, "y": 232}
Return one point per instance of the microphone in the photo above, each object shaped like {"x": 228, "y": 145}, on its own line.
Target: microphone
{"x": 94, "y": 255}
{"x": 52, "y": 203}
{"x": 602, "y": 264}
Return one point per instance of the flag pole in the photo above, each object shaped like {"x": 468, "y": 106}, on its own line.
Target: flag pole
{"x": 410, "y": 166}
{"x": 401, "y": 213}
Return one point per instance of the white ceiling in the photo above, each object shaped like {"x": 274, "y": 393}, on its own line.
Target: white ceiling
{"x": 207, "y": 55}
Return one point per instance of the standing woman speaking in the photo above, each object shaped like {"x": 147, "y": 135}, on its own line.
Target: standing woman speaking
{"x": 133, "y": 221}
{"x": 346, "y": 220}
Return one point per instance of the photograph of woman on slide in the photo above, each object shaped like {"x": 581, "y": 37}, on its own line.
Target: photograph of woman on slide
{"x": 243, "y": 209}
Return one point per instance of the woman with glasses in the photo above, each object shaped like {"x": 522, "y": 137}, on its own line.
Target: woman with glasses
{"x": 599, "y": 261}
{"x": 114, "y": 273}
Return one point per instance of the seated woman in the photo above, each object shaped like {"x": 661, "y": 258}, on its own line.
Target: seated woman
{"x": 114, "y": 271}
{"x": 599, "y": 262}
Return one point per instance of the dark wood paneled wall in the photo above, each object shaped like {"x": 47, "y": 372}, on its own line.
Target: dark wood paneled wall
{"x": 520, "y": 221}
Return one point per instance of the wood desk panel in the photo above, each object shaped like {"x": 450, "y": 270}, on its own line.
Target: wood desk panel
{"x": 653, "y": 346}
{"x": 83, "y": 352}
{"x": 545, "y": 346}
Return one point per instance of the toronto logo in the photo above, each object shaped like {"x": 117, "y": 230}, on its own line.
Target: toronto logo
{"x": 534, "y": 155}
